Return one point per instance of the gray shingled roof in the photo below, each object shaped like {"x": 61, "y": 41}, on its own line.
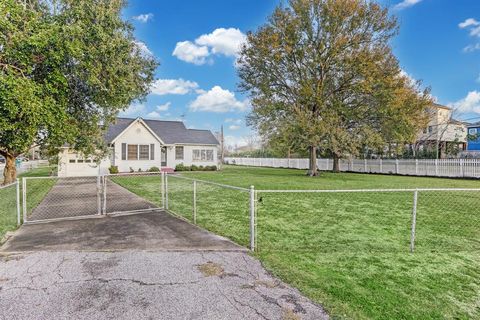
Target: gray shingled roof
{"x": 171, "y": 132}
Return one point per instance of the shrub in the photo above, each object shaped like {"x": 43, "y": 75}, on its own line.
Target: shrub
{"x": 154, "y": 169}
{"x": 194, "y": 167}
{"x": 131, "y": 170}
{"x": 113, "y": 169}
{"x": 182, "y": 167}
{"x": 211, "y": 168}
{"x": 139, "y": 169}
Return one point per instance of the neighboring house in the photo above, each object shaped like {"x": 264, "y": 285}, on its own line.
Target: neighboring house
{"x": 473, "y": 143}
{"x": 443, "y": 132}
{"x": 141, "y": 144}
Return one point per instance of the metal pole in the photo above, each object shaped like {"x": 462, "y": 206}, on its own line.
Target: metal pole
{"x": 194, "y": 202}
{"x": 104, "y": 194}
{"x": 18, "y": 203}
{"x": 414, "y": 220}
{"x": 162, "y": 177}
{"x": 166, "y": 191}
{"x": 396, "y": 167}
{"x": 99, "y": 194}
{"x": 252, "y": 218}
{"x": 24, "y": 198}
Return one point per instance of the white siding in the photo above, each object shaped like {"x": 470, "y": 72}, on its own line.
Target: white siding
{"x": 188, "y": 156}
{"x": 67, "y": 169}
{"x": 136, "y": 134}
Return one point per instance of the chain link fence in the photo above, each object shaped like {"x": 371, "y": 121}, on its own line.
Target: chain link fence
{"x": 426, "y": 220}
{"x": 221, "y": 209}
{"x": 9, "y": 208}
{"x": 132, "y": 192}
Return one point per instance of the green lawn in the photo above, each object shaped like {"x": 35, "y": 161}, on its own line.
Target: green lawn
{"x": 37, "y": 189}
{"x": 349, "y": 251}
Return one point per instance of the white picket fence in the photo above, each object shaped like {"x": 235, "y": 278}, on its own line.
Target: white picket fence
{"x": 468, "y": 168}
{"x": 27, "y": 165}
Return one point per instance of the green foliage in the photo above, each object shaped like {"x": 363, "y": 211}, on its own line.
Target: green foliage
{"x": 64, "y": 70}
{"x": 321, "y": 74}
{"x": 113, "y": 169}
{"x": 154, "y": 169}
{"x": 182, "y": 167}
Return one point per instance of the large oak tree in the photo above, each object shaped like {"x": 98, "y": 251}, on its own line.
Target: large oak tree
{"x": 321, "y": 74}
{"x": 66, "y": 66}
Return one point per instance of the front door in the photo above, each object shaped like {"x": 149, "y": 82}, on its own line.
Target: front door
{"x": 164, "y": 156}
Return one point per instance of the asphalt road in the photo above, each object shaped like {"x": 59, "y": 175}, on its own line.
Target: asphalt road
{"x": 137, "y": 284}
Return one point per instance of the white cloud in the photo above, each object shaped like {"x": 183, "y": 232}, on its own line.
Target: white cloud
{"x": 143, "y": 18}
{"x": 173, "y": 86}
{"x": 134, "y": 110}
{"x": 472, "y": 47}
{"x": 218, "y": 100}
{"x": 235, "y": 121}
{"x": 142, "y": 47}
{"x": 191, "y": 53}
{"x": 221, "y": 41}
{"x": 468, "y": 23}
{"x": 154, "y": 115}
{"x": 405, "y": 4}
{"x": 471, "y": 103}
{"x": 163, "y": 107}
{"x": 234, "y": 127}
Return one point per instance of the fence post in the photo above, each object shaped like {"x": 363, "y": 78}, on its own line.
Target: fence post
{"x": 166, "y": 191}
{"x": 194, "y": 202}
{"x": 252, "y": 218}
{"x": 436, "y": 167}
{"x": 24, "y": 198}
{"x": 414, "y": 220}
{"x": 397, "y": 170}
{"x": 381, "y": 165}
{"x": 365, "y": 165}
{"x": 99, "y": 194}
{"x": 462, "y": 173}
{"x": 18, "y": 202}
{"x": 416, "y": 166}
{"x": 104, "y": 195}
{"x": 162, "y": 177}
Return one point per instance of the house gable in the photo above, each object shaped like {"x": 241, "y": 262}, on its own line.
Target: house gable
{"x": 136, "y": 131}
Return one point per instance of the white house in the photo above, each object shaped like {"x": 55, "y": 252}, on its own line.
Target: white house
{"x": 442, "y": 131}
{"x": 141, "y": 144}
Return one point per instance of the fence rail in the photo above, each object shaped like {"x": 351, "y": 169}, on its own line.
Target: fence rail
{"x": 467, "y": 168}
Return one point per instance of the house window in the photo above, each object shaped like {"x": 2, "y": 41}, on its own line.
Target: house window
{"x": 202, "y": 155}
{"x": 132, "y": 152}
{"x": 72, "y": 161}
{"x": 144, "y": 152}
{"x": 139, "y": 152}
{"x": 178, "y": 153}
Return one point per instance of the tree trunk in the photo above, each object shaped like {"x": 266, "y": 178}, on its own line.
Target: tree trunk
{"x": 336, "y": 163}
{"x": 10, "y": 171}
{"x": 312, "y": 170}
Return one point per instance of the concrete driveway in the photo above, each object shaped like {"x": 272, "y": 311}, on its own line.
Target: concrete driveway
{"x": 142, "y": 266}
{"x": 156, "y": 230}
{"x": 80, "y": 196}
{"x": 145, "y": 285}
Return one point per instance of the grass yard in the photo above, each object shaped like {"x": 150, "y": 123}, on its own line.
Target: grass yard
{"x": 36, "y": 192}
{"x": 349, "y": 251}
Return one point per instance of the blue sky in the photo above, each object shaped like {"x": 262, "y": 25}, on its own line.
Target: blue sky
{"x": 196, "y": 41}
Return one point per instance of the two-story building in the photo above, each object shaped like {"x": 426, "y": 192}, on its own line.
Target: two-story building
{"x": 443, "y": 132}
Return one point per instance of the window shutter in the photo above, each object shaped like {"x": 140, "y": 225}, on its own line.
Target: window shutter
{"x": 124, "y": 151}
{"x": 152, "y": 152}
